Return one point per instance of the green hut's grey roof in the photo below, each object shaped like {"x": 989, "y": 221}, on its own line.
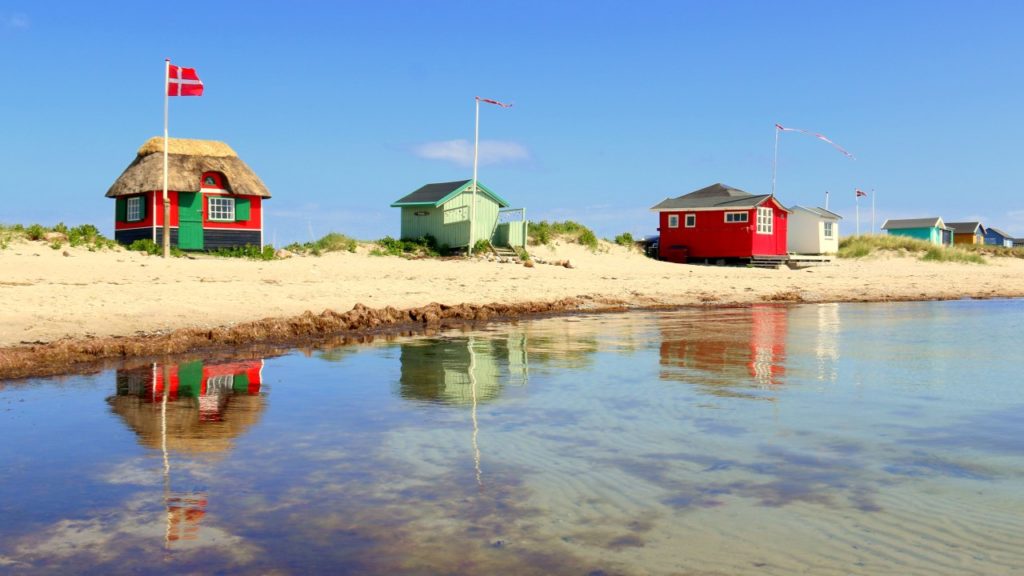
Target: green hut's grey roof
{"x": 820, "y": 212}
{"x": 935, "y": 222}
{"x": 716, "y": 196}
{"x": 966, "y": 227}
{"x": 441, "y": 192}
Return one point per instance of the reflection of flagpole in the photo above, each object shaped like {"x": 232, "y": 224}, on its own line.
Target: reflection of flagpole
{"x": 167, "y": 461}
{"x": 476, "y": 427}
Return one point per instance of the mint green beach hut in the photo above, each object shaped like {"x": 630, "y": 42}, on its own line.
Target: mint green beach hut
{"x": 932, "y": 230}
{"x": 444, "y": 210}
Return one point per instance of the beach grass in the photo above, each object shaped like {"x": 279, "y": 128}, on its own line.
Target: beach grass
{"x": 330, "y": 242}
{"x": 861, "y": 246}
{"x": 56, "y": 236}
{"x": 545, "y": 232}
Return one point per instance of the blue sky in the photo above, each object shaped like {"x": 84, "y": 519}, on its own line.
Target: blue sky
{"x": 343, "y": 107}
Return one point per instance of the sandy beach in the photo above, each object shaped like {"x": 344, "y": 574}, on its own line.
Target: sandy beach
{"x": 72, "y": 293}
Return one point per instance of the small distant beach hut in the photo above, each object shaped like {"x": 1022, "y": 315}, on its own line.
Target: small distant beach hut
{"x": 443, "y": 210}
{"x": 216, "y": 199}
{"x": 932, "y": 230}
{"x": 813, "y": 231}
{"x": 720, "y": 222}
{"x": 996, "y": 237}
{"x": 967, "y": 232}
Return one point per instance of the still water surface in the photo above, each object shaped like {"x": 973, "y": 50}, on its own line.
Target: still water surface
{"x": 817, "y": 439}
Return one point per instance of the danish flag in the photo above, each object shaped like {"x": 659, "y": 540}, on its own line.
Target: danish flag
{"x": 183, "y": 81}
{"x": 861, "y": 193}
{"x": 495, "y": 102}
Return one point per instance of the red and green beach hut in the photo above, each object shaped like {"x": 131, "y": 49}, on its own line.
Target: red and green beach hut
{"x": 216, "y": 199}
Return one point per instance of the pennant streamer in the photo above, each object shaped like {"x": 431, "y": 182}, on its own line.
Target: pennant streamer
{"x": 821, "y": 137}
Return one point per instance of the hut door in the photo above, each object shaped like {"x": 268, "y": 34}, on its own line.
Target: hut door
{"x": 190, "y": 221}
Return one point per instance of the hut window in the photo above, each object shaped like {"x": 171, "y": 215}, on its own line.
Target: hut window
{"x": 221, "y": 209}
{"x": 134, "y": 209}
{"x": 764, "y": 221}
{"x": 212, "y": 180}
{"x": 673, "y": 220}
{"x": 737, "y": 217}
{"x": 828, "y": 229}
{"x": 691, "y": 220}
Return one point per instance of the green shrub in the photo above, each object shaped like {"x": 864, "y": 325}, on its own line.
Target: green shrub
{"x": 146, "y": 245}
{"x": 425, "y": 246}
{"x": 861, "y": 246}
{"x": 625, "y": 239}
{"x": 248, "y": 251}
{"x": 332, "y": 242}
{"x": 482, "y": 245}
{"x": 588, "y": 239}
{"x": 35, "y": 232}
{"x": 951, "y": 254}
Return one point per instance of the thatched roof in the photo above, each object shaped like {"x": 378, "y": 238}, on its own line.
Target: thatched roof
{"x": 186, "y": 162}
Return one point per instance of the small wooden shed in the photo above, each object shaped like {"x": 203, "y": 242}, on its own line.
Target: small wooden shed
{"x": 216, "y": 199}
{"x": 932, "y": 230}
{"x": 967, "y": 232}
{"x": 813, "y": 231}
{"x": 443, "y": 210}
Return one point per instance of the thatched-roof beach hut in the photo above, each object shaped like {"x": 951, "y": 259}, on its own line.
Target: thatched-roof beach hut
{"x": 216, "y": 199}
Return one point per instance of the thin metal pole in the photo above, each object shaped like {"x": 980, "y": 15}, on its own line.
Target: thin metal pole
{"x": 826, "y": 199}
{"x": 476, "y": 157}
{"x": 167, "y": 201}
{"x": 775, "y": 159}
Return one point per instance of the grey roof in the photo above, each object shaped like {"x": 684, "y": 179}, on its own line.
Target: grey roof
{"x": 715, "y": 196}
{"x": 999, "y": 232}
{"x": 912, "y": 223}
{"x": 432, "y": 192}
{"x": 966, "y": 227}
{"x": 820, "y": 212}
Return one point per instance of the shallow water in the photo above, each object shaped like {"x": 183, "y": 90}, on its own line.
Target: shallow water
{"x": 817, "y": 439}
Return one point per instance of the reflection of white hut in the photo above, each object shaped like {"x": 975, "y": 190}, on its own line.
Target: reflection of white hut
{"x": 813, "y": 231}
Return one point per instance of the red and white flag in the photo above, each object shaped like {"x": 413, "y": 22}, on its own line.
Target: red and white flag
{"x": 861, "y": 193}
{"x": 183, "y": 81}
{"x": 489, "y": 101}
{"x": 821, "y": 137}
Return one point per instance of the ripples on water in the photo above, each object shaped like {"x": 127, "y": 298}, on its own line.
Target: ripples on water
{"x": 825, "y": 439}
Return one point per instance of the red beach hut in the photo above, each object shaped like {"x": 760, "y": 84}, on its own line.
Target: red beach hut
{"x": 216, "y": 199}
{"x": 721, "y": 223}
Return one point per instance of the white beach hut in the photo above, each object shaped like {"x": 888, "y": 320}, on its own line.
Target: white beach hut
{"x": 813, "y": 231}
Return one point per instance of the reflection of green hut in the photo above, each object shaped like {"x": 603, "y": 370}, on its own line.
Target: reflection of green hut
{"x": 455, "y": 371}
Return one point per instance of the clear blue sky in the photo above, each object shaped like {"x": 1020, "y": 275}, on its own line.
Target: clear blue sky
{"x": 343, "y": 107}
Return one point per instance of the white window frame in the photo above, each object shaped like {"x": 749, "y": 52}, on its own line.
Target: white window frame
{"x": 738, "y": 217}
{"x": 829, "y": 230}
{"x": 690, "y": 221}
{"x": 133, "y": 212}
{"x": 220, "y": 209}
{"x": 673, "y": 220}
{"x": 765, "y": 220}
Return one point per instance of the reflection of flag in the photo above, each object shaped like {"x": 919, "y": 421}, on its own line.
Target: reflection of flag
{"x": 821, "y": 137}
{"x": 489, "y": 101}
{"x": 183, "y": 81}
{"x": 861, "y": 193}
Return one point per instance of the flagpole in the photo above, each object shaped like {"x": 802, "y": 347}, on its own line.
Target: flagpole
{"x": 476, "y": 157}
{"x": 826, "y": 199}
{"x": 775, "y": 158}
{"x": 167, "y": 201}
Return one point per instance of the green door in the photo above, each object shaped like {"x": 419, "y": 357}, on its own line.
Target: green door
{"x": 190, "y": 379}
{"x": 190, "y": 220}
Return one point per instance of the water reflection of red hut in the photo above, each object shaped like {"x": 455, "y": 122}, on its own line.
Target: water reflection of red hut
{"x": 189, "y": 408}
{"x": 735, "y": 345}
